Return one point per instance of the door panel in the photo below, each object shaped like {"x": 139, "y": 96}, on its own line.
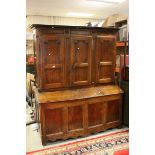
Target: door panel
{"x": 81, "y": 74}
{"x": 96, "y": 114}
{"x": 55, "y": 78}
{"x": 80, "y": 60}
{"x": 105, "y": 59}
{"x": 113, "y": 111}
{"x": 75, "y": 118}
{"x": 53, "y": 61}
{"x": 54, "y": 120}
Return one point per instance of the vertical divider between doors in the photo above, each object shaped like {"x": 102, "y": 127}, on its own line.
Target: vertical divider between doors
{"x": 65, "y": 119}
{"x": 85, "y": 116}
{"x": 105, "y": 109}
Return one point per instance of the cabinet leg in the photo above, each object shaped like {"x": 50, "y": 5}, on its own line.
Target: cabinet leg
{"x": 120, "y": 126}
{"x": 43, "y": 141}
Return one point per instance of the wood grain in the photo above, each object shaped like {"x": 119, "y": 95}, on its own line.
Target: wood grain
{"x": 75, "y": 95}
{"x": 73, "y": 113}
{"x": 74, "y": 57}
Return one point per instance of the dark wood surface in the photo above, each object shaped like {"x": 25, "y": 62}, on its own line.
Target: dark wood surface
{"x": 125, "y": 106}
{"x": 75, "y": 94}
{"x": 73, "y": 113}
{"x": 74, "y": 57}
{"x": 105, "y": 59}
{"x": 72, "y": 27}
{"x": 82, "y": 61}
{"x": 53, "y": 61}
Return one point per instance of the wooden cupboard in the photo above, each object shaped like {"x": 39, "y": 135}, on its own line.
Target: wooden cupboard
{"x": 73, "y": 57}
{"x": 75, "y": 92}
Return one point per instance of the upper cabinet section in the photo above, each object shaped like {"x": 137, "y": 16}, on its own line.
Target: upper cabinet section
{"x": 71, "y": 56}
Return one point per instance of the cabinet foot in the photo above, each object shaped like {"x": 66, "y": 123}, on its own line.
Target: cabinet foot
{"x": 120, "y": 126}
{"x": 43, "y": 141}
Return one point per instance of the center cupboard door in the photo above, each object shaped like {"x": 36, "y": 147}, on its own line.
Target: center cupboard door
{"x": 80, "y": 60}
{"x": 105, "y": 59}
{"x": 53, "y": 61}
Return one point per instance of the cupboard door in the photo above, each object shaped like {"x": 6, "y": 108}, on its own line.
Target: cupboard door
{"x": 105, "y": 59}
{"x": 53, "y": 62}
{"x": 80, "y": 60}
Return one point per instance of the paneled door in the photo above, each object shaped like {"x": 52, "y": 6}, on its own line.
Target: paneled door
{"x": 53, "y": 61}
{"x": 80, "y": 60}
{"x": 105, "y": 59}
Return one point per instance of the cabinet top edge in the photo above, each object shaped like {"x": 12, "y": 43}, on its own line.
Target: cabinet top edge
{"x": 74, "y": 27}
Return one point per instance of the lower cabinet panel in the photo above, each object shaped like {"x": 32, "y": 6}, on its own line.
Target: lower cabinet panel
{"x": 53, "y": 121}
{"x": 67, "y": 119}
{"x": 96, "y": 114}
{"x": 75, "y": 117}
{"x": 113, "y": 111}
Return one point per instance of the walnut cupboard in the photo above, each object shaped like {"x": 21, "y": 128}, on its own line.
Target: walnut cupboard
{"x": 75, "y": 91}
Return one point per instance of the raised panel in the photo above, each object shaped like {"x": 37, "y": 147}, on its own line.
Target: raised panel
{"x": 96, "y": 114}
{"x": 53, "y": 61}
{"x": 54, "y": 121}
{"x": 106, "y": 50}
{"x": 75, "y": 118}
{"x": 81, "y": 60}
{"x": 81, "y": 51}
{"x": 81, "y": 74}
{"x": 52, "y": 52}
{"x": 53, "y": 76}
{"x": 105, "y": 59}
{"x": 105, "y": 72}
{"x": 113, "y": 111}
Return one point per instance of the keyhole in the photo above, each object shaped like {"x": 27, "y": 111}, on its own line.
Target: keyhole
{"x": 77, "y": 50}
{"x": 49, "y": 53}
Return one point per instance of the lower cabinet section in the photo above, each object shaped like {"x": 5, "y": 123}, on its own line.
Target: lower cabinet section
{"x": 62, "y": 120}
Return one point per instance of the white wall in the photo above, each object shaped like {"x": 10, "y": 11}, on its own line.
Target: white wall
{"x": 53, "y": 20}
